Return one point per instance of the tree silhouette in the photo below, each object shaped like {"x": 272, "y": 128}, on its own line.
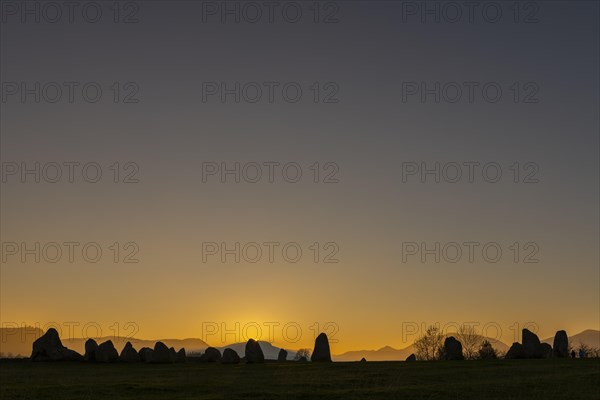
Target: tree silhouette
{"x": 302, "y": 353}
{"x": 470, "y": 341}
{"x": 486, "y": 351}
{"x": 429, "y": 345}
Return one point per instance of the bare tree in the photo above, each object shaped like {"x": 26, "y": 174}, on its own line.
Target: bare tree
{"x": 594, "y": 352}
{"x": 583, "y": 349}
{"x": 429, "y": 345}
{"x": 302, "y": 353}
{"x": 470, "y": 341}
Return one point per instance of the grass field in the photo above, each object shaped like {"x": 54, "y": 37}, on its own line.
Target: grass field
{"x": 500, "y": 379}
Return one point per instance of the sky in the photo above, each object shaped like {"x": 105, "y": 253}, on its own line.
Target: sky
{"x": 319, "y": 146}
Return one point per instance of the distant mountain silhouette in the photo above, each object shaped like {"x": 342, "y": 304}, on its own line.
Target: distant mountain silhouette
{"x": 589, "y": 337}
{"x": 386, "y": 353}
{"x": 389, "y": 353}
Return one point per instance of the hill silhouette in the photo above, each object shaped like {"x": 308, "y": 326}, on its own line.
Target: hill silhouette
{"x": 388, "y": 353}
{"x": 589, "y": 337}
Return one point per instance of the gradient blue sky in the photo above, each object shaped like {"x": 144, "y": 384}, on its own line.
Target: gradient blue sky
{"x": 369, "y": 133}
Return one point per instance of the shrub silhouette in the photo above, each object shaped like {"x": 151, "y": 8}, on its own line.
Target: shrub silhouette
{"x": 487, "y": 352}
{"x": 302, "y": 353}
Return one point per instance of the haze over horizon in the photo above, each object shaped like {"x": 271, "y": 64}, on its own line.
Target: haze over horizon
{"x": 359, "y": 206}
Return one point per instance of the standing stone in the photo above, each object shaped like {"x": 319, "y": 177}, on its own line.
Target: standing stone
{"x": 90, "y": 350}
{"x": 254, "y": 353}
{"x": 544, "y": 351}
{"x": 531, "y": 344}
{"x": 561, "y": 345}
{"x": 230, "y": 356}
{"x": 516, "y": 351}
{"x": 211, "y": 355}
{"x": 282, "y": 356}
{"x": 181, "y": 357}
{"x": 129, "y": 354}
{"x": 146, "y": 354}
{"x": 71, "y": 355}
{"x": 453, "y": 349}
{"x": 302, "y": 359}
{"x": 363, "y": 360}
{"x": 321, "y": 352}
{"x": 161, "y": 354}
{"x": 412, "y": 357}
{"x": 106, "y": 352}
{"x": 48, "y": 347}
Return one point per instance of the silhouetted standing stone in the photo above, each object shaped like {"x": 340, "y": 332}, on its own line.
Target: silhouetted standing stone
{"x": 173, "y": 354}
{"x": 531, "y": 344}
{"x": 129, "y": 354}
{"x": 90, "y": 350}
{"x": 363, "y": 360}
{"x": 181, "y": 356}
{"x": 146, "y": 354}
{"x": 321, "y": 352}
{"x": 106, "y": 352}
{"x": 161, "y": 354}
{"x": 48, "y": 347}
{"x": 516, "y": 351}
{"x": 561, "y": 345}
{"x": 71, "y": 355}
{"x": 453, "y": 349}
{"x": 254, "y": 353}
{"x": 211, "y": 355}
{"x": 412, "y": 357}
{"x": 302, "y": 359}
{"x": 282, "y": 356}
{"x": 544, "y": 351}
{"x": 230, "y": 356}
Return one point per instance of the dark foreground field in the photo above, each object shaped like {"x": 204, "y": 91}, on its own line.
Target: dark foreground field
{"x": 502, "y": 379}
